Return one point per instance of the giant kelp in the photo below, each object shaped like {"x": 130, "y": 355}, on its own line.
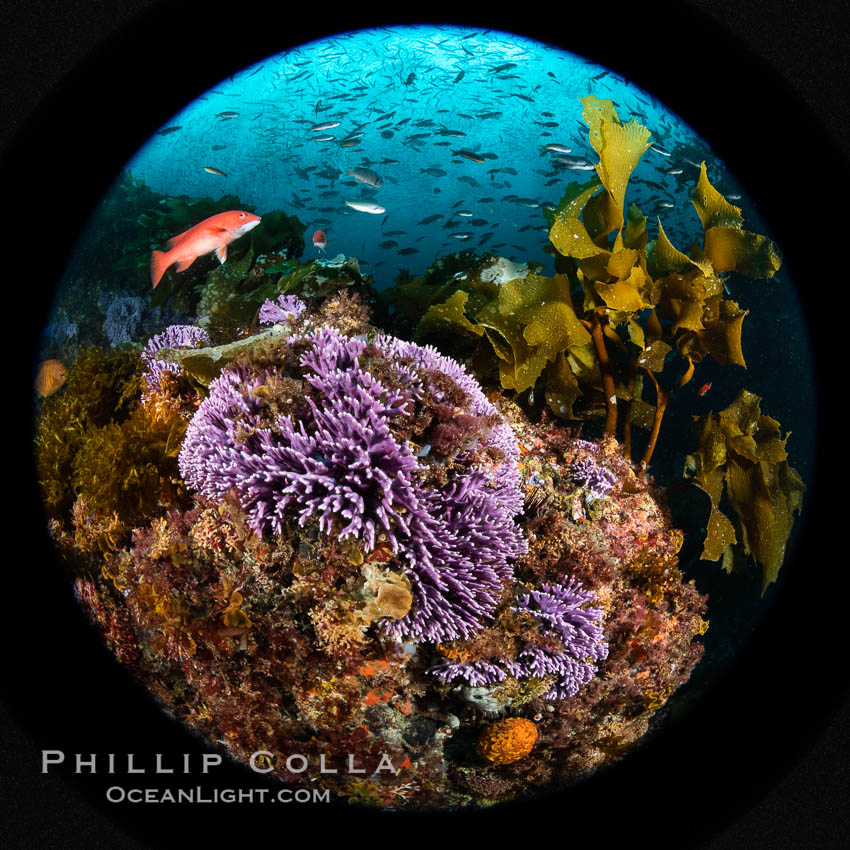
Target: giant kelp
{"x": 627, "y": 319}
{"x": 616, "y": 289}
{"x": 742, "y": 449}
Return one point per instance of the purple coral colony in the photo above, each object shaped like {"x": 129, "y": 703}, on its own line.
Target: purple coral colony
{"x": 362, "y": 543}
{"x": 306, "y": 534}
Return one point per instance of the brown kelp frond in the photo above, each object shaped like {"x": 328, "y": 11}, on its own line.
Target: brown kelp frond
{"x": 742, "y": 450}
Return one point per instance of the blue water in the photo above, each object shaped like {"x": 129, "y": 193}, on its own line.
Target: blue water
{"x": 402, "y": 95}
{"x": 404, "y": 90}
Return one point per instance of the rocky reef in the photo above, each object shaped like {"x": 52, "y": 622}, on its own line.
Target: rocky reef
{"x": 401, "y": 533}
{"x": 367, "y": 557}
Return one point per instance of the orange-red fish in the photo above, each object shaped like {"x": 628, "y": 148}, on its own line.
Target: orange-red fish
{"x": 212, "y": 234}
{"x": 704, "y": 388}
{"x": 50, "y": 377}
{"x": 320, "y": 240}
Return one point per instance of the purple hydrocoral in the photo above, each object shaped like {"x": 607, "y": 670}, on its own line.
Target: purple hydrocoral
{"x": 342, "y": 467}
{"x": 505, "y": 476}
{"x": 561, "y": 613}
{"x": 595, "y": 480}
{"x": 285, "y": 310}
{"x": 174, "y": 336}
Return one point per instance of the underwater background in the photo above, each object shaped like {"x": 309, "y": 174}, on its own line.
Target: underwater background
{"x": 405, "y": 105}
{"x": 448, "y": 129}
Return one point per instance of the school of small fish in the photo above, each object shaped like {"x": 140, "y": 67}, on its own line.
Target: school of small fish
{"x": 399, "y": 142}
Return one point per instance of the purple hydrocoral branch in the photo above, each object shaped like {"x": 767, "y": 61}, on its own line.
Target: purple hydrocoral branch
{"x": 285, "y": 310}
{"x": 505, "y": 475}
{"x": 341, "y": 466}
{"x": 174, "y": 336}
{"x": 595, "y": 480}
{"x": 347, "y": 467}
{"x": 561, "y": 611}
{"x": 457, "y": 560}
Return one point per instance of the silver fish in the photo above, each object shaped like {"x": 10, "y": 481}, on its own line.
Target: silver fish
{"x": 578, "y": 166}
{"x": 367, "y": 176}
{"x": 325, "y": 125}
{"x": 366, "y": 207}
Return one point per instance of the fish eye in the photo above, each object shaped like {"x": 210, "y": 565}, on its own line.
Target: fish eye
{"x": 241, "y": 215}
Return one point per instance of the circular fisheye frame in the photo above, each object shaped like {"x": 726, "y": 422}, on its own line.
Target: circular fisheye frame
{"x": 410, "y": 423}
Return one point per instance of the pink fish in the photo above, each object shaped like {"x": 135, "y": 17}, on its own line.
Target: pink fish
{"x": 320, "y": 240}
{"x": 212, "y": 234}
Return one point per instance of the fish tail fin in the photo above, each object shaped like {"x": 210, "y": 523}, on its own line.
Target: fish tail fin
{"x": 159, "y": 263}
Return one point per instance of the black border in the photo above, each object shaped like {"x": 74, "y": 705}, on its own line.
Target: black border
{"x": 63, "y": 690}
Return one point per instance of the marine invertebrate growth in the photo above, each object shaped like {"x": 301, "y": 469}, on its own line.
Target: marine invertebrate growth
{"x": 286, "y": 309}
{"x": 174, "y": 336}
{"x": 507, "y": 741}
{"x": 561, "y": 612}
{"x": 338, "y": 459}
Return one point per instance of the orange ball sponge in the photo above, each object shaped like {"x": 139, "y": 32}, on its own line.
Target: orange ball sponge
{"x": 507, "y": 741}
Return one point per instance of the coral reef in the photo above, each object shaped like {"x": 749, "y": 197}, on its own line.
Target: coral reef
{"x": 285, "y": 310}
{"x": 174, "y": 336}
{"x": 130, "y": 318}
{"x": 59, "y": 337}
{"x": 559, "y": 610}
